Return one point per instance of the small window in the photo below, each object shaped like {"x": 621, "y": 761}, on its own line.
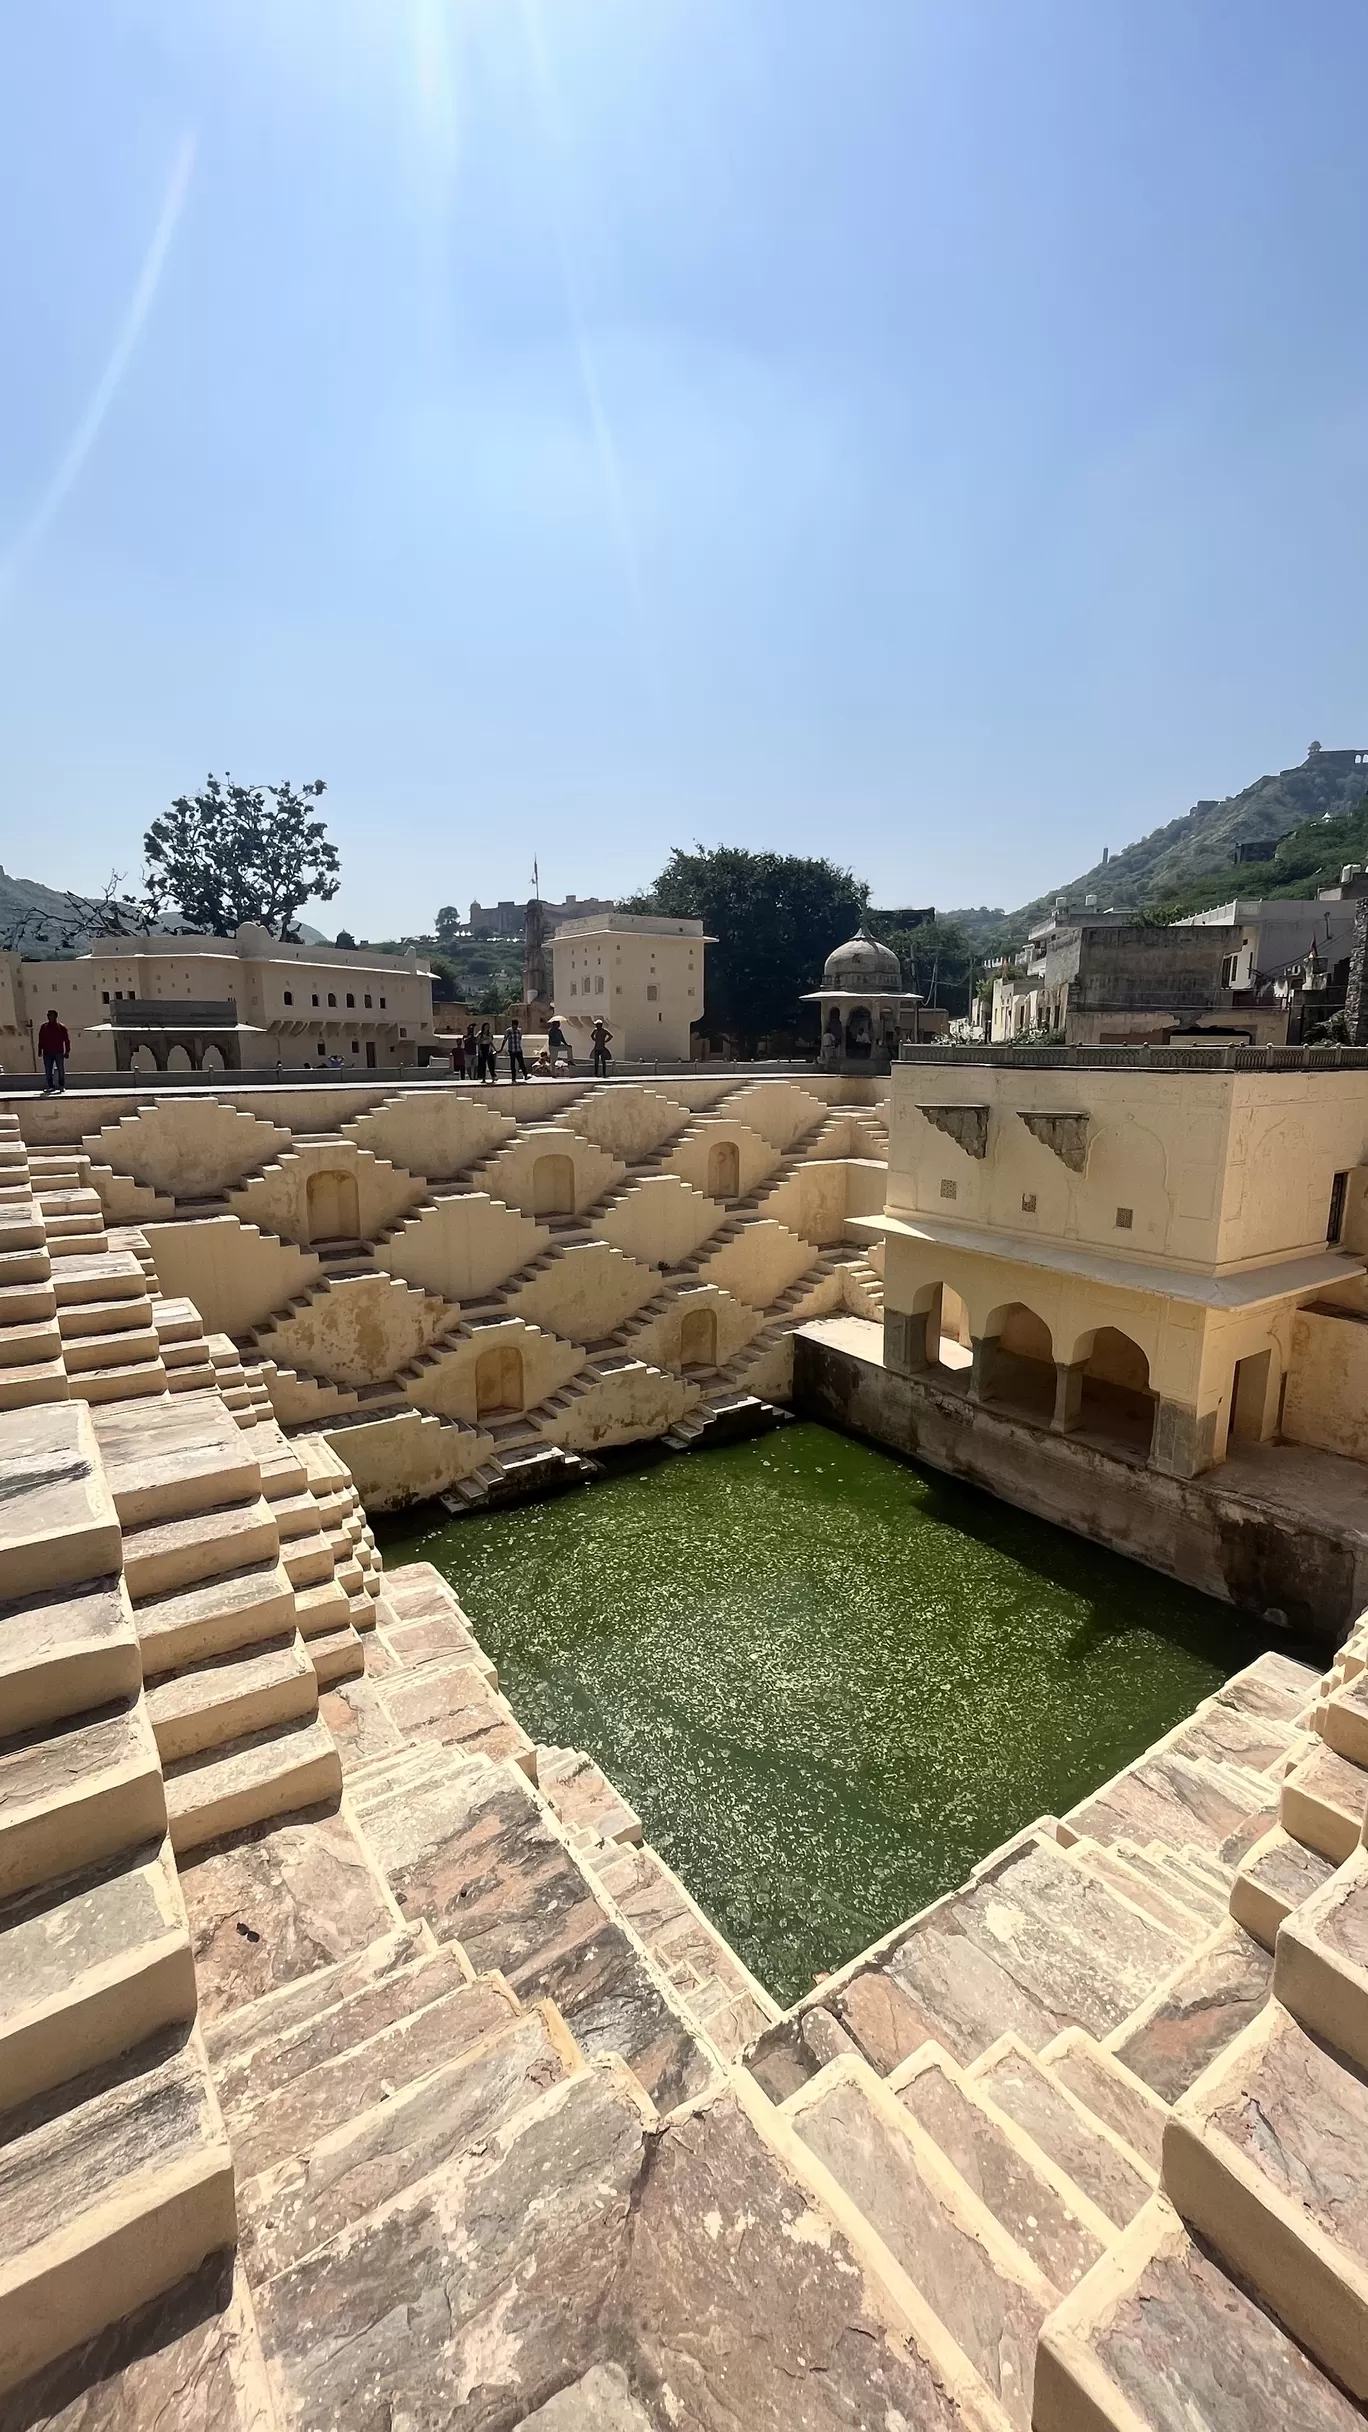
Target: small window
{"x": 289, "y": 996}
{"x": 368, "y": 1004}
{"x": 319, "y": 1050}
{"x": 1335, "y": 1225}
{"x": 402, "y": 1032}
{"x": 1125, "y": 1218}
{"x": 315, "y": 1000}
{"x": 382, "y": 1004}
{"x": 356, "y": 1047}
{"x": 351, "y": 1000}
{"x": 949, "y": 1190}
{"x": 104, "y": 996}
{"x": 1028, "y": 1200}
{"x": 331, "y": 998}
{"x": 651, "y": 995}
{"x": 598, "y": 985}
{"x": 573, "y": 989}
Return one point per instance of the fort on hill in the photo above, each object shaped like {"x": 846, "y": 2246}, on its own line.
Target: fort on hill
{"x": 362, "y": 2060}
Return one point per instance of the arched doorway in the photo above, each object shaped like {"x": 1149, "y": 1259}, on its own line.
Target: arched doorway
{"x": 333, "y": 1213}
{"x": 724, "y": 1170}
{"x": 698, "y": 1339}
{"x": 954, "y": 1349}
{"x": 1116, "y": 1399}
{"x": 212, "y": 1059}
{"x": 499, "y": 1379}
{"x": 1017, "y": 1363}
{"x": 178, "y": 1058}
{"x": 553, "y": 1186}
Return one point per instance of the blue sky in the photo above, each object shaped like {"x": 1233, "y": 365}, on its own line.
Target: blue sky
{"x": 931, "y": 432}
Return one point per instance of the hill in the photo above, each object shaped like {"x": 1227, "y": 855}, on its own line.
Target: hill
{"x": 1194, "y": 856}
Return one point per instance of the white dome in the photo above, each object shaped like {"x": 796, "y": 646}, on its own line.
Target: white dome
{"x": 863, "y": 967}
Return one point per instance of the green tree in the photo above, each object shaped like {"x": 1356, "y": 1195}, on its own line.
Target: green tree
{"x": 345, "y": 939}
{"x": 776, "y": 918}
{"x": 235, "y": 853}
{"x": 448, "y": 925}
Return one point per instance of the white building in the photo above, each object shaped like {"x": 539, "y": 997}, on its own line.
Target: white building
{"x": 640, "y": 974}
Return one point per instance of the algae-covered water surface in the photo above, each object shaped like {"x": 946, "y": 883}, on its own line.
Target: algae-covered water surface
{"x": 828, "y": 1681}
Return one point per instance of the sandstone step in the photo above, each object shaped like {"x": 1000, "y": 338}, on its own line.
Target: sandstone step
{"x": 26, "y": 1341}
{"x": 33, "y": 1381}
{"x": 121, "y": 1315}
{"x": 1174, "y": 1798}
{"x": 377, "y": 1781}
{"x": 182, "y": 1458}
{"x": 1276, "y": 1876}
{"x": 19, "y": 1266}
{"x": 1266, "y": 2158}
{"x": 287, "y": 2005}
{"x": 215, "y": 1618}
{"x": 20, "y": 1302}
{"x": 1344, "y": 1722}
{"x": 579, "y": 1792}
{"x": 337, "y": 1655}
{"x": 109, "y": 2200}
{"x": 98, "y": 1275}
{"x": 1196, "y": 2013}
{"x": 1178, "y": 1917}
{"x": 427, "y": 2124}
{"x": 1108, "y": 2170}
{"x": 1158, "y": 2338}
{"x": 294, "y": 1514}
{"x": 1030, "y": 2197}
{"x": 1031, "y": 1944}
{"x": 178, "y": 1320}
{"x": 230, "y": 1696}
{"x": 267, "y": 1773}
{"x": 1111, "y": 2091}
{"x": 1155, "y": 1865}
{"x": 407, "y": 2048}
{"x": 308, "y": 1560}
{"x": 89, "y": 1967}
{"x": 57, "y": 1522}
{"x": 476, "y": 1853}
{"x": 322, "y": 1609}
{"x": 167, "y": 1555}
{"x": 73, "y": 1795}
{"x": 257, "y": 2071}
{"x": 86, "y": 1353}
{"x": 1320, "y": 1970}
{"x": 120, "y": 1384}
{"x": 990, "y": 2297}
{"x": 453, "y": 1703}
{"x": 66, "y": 1654}
{"x": 415, "y": 1639}
{"x": 1323, "y": 1802}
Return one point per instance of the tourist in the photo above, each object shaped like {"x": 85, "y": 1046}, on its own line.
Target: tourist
{"x": 458, "y": 1057}
{"x": 513, "y": 1040}
{"x": 599, "y": 1037}
{"x": 471, "y": 1047}
{"x": 54, "y": 1046}
{"x": 543, "y": 1067}
{"x": 485, "y": 1055}
{"x": 558, "y": 1044}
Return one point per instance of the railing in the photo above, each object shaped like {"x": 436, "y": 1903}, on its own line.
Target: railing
{"x": 173, "y": 1013}
{"x": 1231, "y": 1056}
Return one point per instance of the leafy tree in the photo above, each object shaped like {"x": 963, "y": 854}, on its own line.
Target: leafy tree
{"x": 449, "y": 925}
{"x": 937, "y": 959}
{"x": 345, "y": 938}
{"x": 235, "y": 853}
{"x": 776, "y": 918}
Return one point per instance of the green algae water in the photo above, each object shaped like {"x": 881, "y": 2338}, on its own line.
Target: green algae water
{"x": 828, "y": 1681}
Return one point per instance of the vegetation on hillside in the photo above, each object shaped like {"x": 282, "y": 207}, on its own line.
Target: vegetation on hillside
{"x": 1311, "y": 857}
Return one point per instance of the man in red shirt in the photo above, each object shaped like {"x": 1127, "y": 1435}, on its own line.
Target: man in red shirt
{"x": 54, "y": 1046}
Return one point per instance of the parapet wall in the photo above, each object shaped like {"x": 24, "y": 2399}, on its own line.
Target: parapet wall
{"x": 453, "y": 1281}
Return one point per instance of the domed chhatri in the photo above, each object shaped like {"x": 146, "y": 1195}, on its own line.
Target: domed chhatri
{"x": 861, "y": 964}
{"x": 865, "y": 1009}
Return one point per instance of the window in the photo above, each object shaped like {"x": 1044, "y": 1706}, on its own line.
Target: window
{"x": 104, "y": 996}
{"x": 1125, "y": 1218}
{"x": 331, "y": 998}
{"x": 598, "y": 985}
{"x": 651, "y": 995}
{"x": 351, "y": 1000}
{"x": 368, "y": 1004}
{"x": 1028, "y": 1199}
{"x": 1335, "y": 1223}
{"x": 356, "y": 1047}
{"x": 315, "y": 1000}
{"x": 949, "y": 1190}
{"x": 319, "y": 1050}
{"x": 382, "y": 1004}
{"x": 573, "y": 989}
{"x": 402, "y": 1032}
{"x": 289, "y": 996}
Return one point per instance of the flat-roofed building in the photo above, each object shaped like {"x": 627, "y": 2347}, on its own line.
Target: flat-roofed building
{"x": 639, "y": 973}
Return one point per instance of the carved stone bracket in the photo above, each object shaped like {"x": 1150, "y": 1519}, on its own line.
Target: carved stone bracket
{"x": 1066, "y": 1135}
{"x": 968, "y": 1125}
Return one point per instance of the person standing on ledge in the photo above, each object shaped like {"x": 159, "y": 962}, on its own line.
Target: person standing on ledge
{"x": 557, "y": 1044}
{"x": 599, "y": 1038}
{"x": 512, "y": 1040}
{"x": 484, "y": 1055}
{"x": 54, "y": 1046}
